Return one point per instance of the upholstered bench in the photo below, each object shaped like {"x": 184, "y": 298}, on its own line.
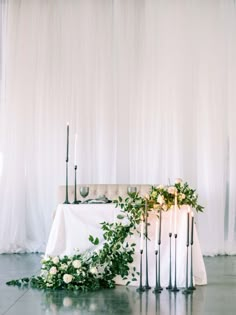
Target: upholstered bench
{"x": 111, "y": 191}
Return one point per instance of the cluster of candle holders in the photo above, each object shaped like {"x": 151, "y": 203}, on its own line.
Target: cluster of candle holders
{"x": 189, "y": 287}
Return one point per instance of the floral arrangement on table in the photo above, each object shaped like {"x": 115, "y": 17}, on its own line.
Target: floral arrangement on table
{"x": 163, "y": 197}
{"x": 97, "y": 269}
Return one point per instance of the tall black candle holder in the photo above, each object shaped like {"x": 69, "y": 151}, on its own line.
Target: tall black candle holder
{"x": 67, "y": 198}
{"x": 158, "y": 287}
{"x": 175, "y": 289}
{"x": 191, "y": 286}
{"x": 186, "y": 290}
{"x": 147, "y": 287}
{"x": 170, "y": 265}
{"x": 75, "y": 194}
{"x": 141, "y": 288}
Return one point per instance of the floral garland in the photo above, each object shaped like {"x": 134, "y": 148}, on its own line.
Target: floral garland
{"x": 98, "y": 269}
{"x": 93, "y": 270}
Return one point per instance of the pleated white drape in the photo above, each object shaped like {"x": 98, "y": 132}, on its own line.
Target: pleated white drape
{"x": 148, "y": 85}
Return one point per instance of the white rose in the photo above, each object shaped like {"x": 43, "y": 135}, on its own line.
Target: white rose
{"x": 160, "y": 187}
{"x": 53, "y": 270}
{"x": 93, "y": 270}
{"x": 55, "y": 260}
{"x": 182, "y": 196}
{"x": 172, "y": 190}
{"x": 178, "y": 181}
{"x": 45, "y": 259}
{"x": 160, "y": 199}
{"x": 76, "y": 263}
{"x": 67, "y": 278}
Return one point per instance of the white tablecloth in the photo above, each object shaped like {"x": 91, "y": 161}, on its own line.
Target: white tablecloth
{"x": 73, "y": 224}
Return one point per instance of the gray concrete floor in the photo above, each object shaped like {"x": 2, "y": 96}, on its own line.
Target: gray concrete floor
{"x": 218, "y": 297}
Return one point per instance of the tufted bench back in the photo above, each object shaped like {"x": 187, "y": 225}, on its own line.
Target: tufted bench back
{"x": 111, "y": 191}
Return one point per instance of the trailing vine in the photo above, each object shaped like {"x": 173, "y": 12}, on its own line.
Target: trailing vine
{"x": 97, "y": 269}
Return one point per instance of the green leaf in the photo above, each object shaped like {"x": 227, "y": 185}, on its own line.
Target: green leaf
{"x": 96, "y": 242}
{"x": 120, "y": 217}
{"x": 91, "y": 239}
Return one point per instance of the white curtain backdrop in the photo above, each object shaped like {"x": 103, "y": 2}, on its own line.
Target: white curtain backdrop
{"x": 148, "y": 85}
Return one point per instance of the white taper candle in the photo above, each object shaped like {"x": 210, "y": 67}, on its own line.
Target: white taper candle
{"x": 141, "y": 235}
{"x": 156, "y": 235}
{"x": 175, "y": 223}
{"x": 75, "y": 153}
{"x": 171, "y": 219}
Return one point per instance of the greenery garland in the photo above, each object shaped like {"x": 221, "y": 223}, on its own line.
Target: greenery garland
{"x": 98, "y": 269}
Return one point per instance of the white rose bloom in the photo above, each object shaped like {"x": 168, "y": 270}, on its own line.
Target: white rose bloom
{"x": 67, "y": 278}
{"x": 178, "y": 181}
{"x": 160, "y": 187}
{"x": 76, "y": 263}
{"x": 160, "y": 199}
{"x": 45, "y": 259}
{"x": 53, "y": 270}
{"x": 55, "y": 260}
{"x": 93, "y": 270}
{"x": 172, "y": 190}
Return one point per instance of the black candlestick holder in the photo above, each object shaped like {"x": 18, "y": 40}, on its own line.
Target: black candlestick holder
{"x": 175, "y": 289}
{"x": 191, "y": 286}
{"x": 141, "y": 288}
{"x": 186, "y": 290}
{"x": 147, "y": 287}
{"x": 75, "y": 195}
{"x": 170, "y": 265}
{"x": 67, "y": 199}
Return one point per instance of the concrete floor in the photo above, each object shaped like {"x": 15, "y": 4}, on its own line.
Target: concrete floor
{"x": 218, "y": 297}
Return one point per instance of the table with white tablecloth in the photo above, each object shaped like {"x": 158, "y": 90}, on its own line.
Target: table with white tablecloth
{"x": 73, "y": 224}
